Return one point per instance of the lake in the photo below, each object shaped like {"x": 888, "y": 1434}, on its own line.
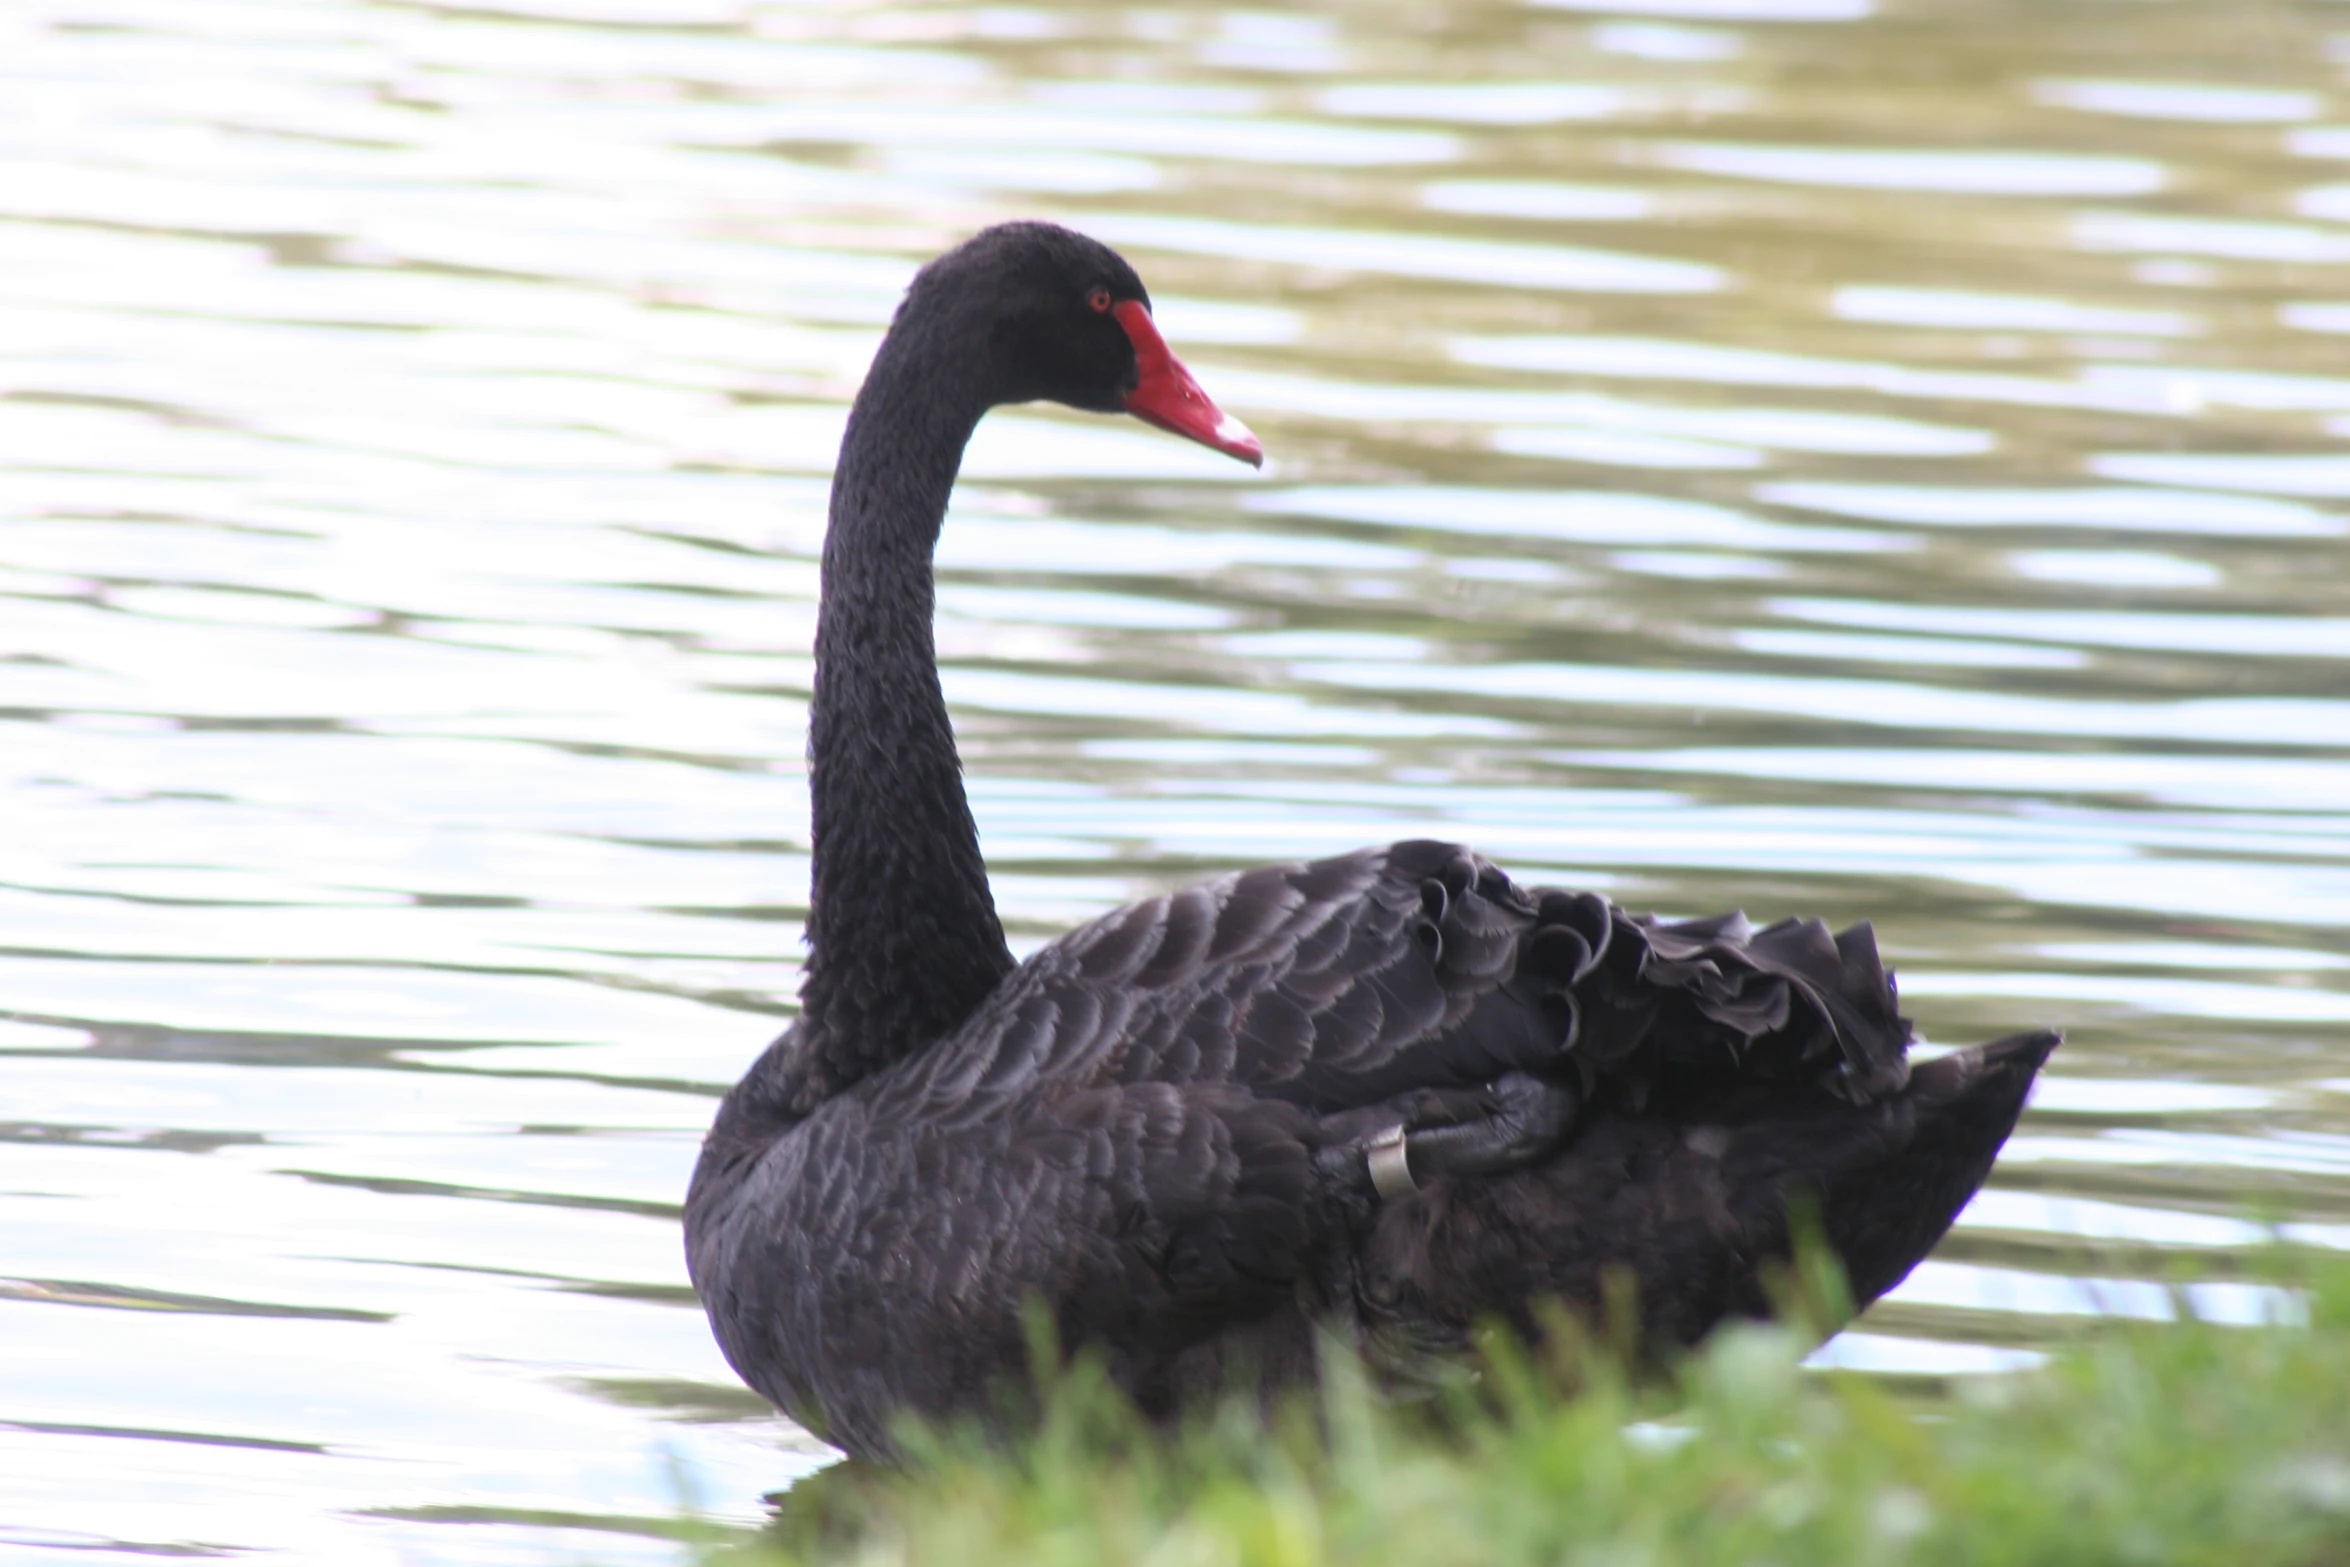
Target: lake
{"x": 1867, "y": 458}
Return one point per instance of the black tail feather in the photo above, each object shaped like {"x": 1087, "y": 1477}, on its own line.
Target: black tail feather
{"x": 1882, "y": 1219}
{"x": 1696, "y": 1207}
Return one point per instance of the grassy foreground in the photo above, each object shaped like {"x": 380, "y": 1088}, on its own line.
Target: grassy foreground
{"x": 2187, "y": 1443}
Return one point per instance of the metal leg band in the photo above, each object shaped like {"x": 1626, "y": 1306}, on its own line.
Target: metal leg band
{"x": 1391, "y": 1166}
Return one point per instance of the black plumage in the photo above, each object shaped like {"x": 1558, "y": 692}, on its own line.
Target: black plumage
{"x": 1161, "y": 1125}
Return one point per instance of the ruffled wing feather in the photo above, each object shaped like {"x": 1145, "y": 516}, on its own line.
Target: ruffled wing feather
{"x": 1343, "y": 982}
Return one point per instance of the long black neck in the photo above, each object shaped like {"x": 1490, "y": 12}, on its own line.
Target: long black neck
{"x": 902, "y": 930}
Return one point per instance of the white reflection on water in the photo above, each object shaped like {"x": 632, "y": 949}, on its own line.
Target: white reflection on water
{"x": 2259, "y": 636}
{"x": 1407, "y": 254}
{"x": 2236, "y": 239}
{"x": 2216, "y": 102}
{"x": 1697, "y": 565}
{"x": 1542, "y": 200}
{"x": 1659, "y": 359}
{"x": 2229, "y": 388}
{"x": 1589, "y": 516}
{"x": 1607, "y": 423}
{"x": 2278, "y": 721}
{"x": 1519, "y": 103}
{"x": 1727, "y": 10}
{"x": 993, "y": 168}
{"x": 2062, "y": 1095}
{"x": 1618, "y": 448}
{"x": 1961, "y": 651}
{"x": 2103, "y": 507}
{"x": 1977, "y": 1288}
{"x": 1269, "y": 41}
{"x": 2303, "y": 1154}
{"x": 2319, "y": 474}
{"x": 1910, "y": 1356}
{"x": 1666, "y": 41}
{"x": 2011, "y": 312}
{"x": 2176, "y": 997}
{"x": 2315, "y": 316}
{"x": 2114, "y": 568}
{"x": 2185, "y": 954}
{"x": 1968, "y": 173}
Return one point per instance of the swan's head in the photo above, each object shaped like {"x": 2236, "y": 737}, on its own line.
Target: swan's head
{"x": 1058, "y": 317}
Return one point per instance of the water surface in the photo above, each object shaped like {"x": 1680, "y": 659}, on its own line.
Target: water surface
{"x": 1865, "y": 459}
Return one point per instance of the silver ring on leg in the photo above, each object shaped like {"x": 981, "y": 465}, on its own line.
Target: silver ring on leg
{"x": 1391, "y": 1167}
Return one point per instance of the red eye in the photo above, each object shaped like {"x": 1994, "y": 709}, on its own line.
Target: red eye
{"x": 1099, "y": 299}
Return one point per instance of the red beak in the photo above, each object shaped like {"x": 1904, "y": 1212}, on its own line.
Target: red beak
{"x": 1168, "y": 397}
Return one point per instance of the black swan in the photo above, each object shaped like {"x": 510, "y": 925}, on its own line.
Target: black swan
{"x": 1392, "y": 1094}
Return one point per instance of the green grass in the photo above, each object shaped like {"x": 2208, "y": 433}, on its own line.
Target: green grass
{"x": 2184, "y": 1443}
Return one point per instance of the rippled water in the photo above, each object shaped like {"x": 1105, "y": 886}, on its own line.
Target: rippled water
{"x": 1807, "y": 454}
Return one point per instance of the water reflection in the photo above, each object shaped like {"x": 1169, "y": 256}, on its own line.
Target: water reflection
{"x": 1710, "y": 464}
